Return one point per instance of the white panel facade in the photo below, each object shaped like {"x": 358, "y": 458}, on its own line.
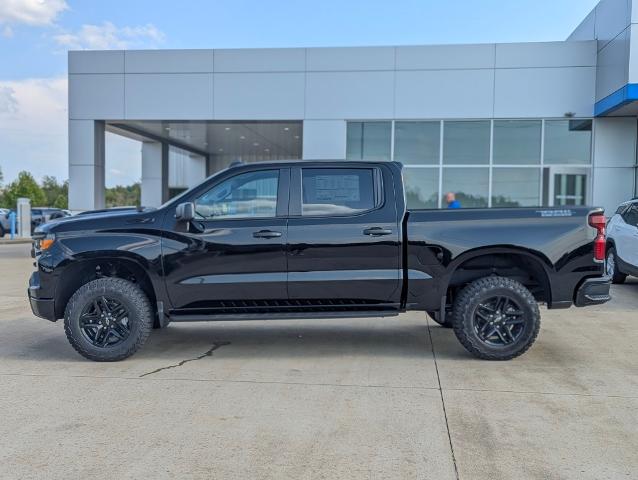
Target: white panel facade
{"x": 546, "y": 54}
{"x": 615, "y": 142}
{"x": 632, "y": 45}
{"x": 349, "y": 95}
{"x": 443, "y": 57}
{"x": 105, "y": 61}
{"x": 169, "y": 61}
{"x": 612, "y": 186}
{"x": 586, "y": 30}
{"x": 259, "y": 96}
{"x": 350, "y": 58}
{"x": 612, "y": 17}
{"x": 86, "y": 165}
{"x": 187, "y": 96}
{"x": 260, "y": 60}
{"x": 99, "y": 96}
{"x": 612, "y": 69}
{"x": 544, "y": 92}
{"x": 324, "y": 139}
{"x": 445, "y": 94}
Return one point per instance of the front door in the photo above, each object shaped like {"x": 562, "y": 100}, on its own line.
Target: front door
{"x": 232, "y": 255}
{"x": 343, "y": 236}
{"x": 567, "y": 186}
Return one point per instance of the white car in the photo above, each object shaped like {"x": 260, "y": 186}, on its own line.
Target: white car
{"x": 622, "y": 242}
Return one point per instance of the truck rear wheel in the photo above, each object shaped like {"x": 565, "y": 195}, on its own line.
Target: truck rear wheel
{"x": 496, "y": 318}
{"x": 108, "y": 319}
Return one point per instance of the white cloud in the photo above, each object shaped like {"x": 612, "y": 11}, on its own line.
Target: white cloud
{"x": 31, "y": 12}
{"x": 109, "y": 36}
{"x": 8, "y": 101}
{"x": 33, "y": 134}
{"x": 33, "y": 126}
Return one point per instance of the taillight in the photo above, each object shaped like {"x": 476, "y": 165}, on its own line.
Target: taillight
{"x": 599, "y": 222}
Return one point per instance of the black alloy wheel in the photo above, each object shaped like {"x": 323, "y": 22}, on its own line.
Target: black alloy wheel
{"x": 105, "y": 322}
{"x": 108, "y": 319}
{"x": 496, "y": 318}
{"x": 498, "y": 321}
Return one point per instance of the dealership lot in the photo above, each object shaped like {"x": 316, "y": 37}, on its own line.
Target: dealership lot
{"x": 373, "y": 398}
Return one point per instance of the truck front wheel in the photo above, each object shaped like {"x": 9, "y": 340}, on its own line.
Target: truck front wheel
{"x": 496, "y": 318}
{"x": 108, "y": 319}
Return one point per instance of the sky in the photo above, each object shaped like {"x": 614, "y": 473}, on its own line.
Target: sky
{"x": 35, "y": 36}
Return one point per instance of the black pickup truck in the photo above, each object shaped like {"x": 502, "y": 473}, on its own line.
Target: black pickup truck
{"x": 314, "y": 240}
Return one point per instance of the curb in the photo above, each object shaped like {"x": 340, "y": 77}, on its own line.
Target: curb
{"x": 15, "y": 241}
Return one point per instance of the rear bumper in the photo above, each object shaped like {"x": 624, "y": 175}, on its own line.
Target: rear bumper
{"x": 593, "y": 291}
{"x": 41, "y": 307}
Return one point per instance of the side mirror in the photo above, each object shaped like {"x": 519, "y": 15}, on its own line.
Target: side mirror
{"x": 185, "y": 212}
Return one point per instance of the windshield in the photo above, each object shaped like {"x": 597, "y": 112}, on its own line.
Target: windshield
{"x": 186, "y": 192}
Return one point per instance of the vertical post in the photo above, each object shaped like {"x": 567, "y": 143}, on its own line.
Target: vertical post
{"x": 154, "y": 173}
{"x": 12, "y": 223}
{"x": 164, "y": 179}
{"x": 86, "y": 165}
{"x": 24, "y": 217}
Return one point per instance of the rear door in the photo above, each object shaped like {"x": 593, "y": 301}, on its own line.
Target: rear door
{"x": 343, "y": 235}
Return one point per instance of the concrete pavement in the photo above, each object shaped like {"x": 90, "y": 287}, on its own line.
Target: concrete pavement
{"x": 369, "y": 398}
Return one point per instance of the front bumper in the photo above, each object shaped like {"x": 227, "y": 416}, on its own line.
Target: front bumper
{"x": 41, "y": 307}
{"x": 593, "y": 291}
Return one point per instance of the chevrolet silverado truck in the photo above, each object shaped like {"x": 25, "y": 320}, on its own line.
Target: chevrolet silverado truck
{"x": 316, "y": 240}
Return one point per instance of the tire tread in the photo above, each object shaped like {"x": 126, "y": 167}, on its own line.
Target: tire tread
{"x": 125, "y": 288}
{"x": 478, "y": 288}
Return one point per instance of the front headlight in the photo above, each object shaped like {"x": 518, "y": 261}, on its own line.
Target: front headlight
{"x": 43, "y": 242}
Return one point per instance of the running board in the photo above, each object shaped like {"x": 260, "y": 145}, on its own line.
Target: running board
{"x": 224, "y": 317}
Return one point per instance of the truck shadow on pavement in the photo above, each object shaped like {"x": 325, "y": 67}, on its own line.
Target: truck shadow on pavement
{"x": 260, "y": 339}
{"x": 283, "y": 341}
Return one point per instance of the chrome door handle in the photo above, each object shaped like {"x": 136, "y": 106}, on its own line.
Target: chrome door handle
{"x": 266, "y": 234}
{"x": 377, "y": 231}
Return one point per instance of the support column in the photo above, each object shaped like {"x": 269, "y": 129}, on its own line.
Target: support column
{"x": 614, "y": 161}
{"x": 154, "y": 174}
{"x": 324, "y": 140}
{"x": 86, "y": 165}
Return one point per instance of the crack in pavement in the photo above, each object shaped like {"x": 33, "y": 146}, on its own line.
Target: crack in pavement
{"x": 208, "y": 353}
{"x": 447, "y": 424}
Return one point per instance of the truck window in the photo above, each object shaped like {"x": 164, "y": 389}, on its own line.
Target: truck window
{"x": 338, "y": 191}
{"x": 247, "y": 195}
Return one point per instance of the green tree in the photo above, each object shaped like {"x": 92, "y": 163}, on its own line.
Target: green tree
{"x": 56, "y": 194}
{"x": 23, "y": 186}
{"x": 123, "y": 196}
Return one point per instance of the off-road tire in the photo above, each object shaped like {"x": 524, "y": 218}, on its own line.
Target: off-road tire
{"x": 445, "y": 324}
{"x": 617, "y": 277}
{"x": 140, "y": 318}
{"x": 480, "y": 290}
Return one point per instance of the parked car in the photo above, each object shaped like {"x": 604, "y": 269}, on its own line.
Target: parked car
{"x": 314, "y": 240}
{"x": 622, "y": 242}
{"x": 5, "y": 226}
{"x": 40, "y": 215}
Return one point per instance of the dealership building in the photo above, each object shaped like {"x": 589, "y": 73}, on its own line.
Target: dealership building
{"x": 516, "y": 124}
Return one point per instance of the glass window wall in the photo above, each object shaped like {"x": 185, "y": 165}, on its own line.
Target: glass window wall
{"x": 496, "y": 163}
